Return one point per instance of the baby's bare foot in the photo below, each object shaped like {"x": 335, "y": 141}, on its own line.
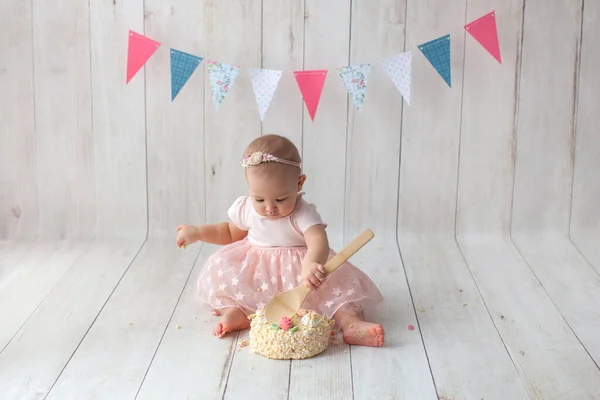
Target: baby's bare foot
{"x": 233, "y": 319}
{"x": 362, "y": 333}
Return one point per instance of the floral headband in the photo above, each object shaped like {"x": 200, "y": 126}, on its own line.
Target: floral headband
{"x": 260, "y": 157}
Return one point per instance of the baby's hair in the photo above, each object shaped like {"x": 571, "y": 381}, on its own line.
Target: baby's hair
{"x": 278, "y": 146}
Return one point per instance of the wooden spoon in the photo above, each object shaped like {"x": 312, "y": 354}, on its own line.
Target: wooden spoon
{"x": 288, "y": 303}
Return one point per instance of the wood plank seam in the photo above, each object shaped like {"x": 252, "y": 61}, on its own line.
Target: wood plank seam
{"x": 187, "y": 281}
{"x": 588, "y": 262}
{"x": 34, "y": 109}
{"x": 554, "y": 303}
{"x": 577, "y": 82}
{"x": 400, "y": 131}
{"x": 290, "y": 379}
{"x": 575, "y": 111}
{"x": 33, "y": 312}
{"x": 460, "y": 124}
{"x": 92, "y": 127}
{"x": 351, "y": 372}
{"x": 145, "y": 136}
{"x": 301, "y": 149}
{"x": 397, "y": 230}
{"x": 515, "y": 133}
{"x": 523, "y": 379}
{"x": 415, "y": 313}
{"x": 519, "y": 61}
{"x": 346, "y": 136}
{"x": 45, "y": 297}
{"x": 95, "y": 318}
{"x": 262, "y": 49}
{"x": 228, "y": 364}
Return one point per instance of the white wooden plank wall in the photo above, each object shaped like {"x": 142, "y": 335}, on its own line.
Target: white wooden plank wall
{"x": 65, "y": 159}
{"x": 18, "y": 180}
{"x": 544, "y": 172}
{"x": 585, "y": 213}
{"x": 483, "y": 197}
{"x": 518, "y": 305}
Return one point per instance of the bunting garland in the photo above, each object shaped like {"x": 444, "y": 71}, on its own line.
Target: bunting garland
{"x": 183, "y": 66}
{"x": 310, "y": 83}
{"x": 264, "y": 84}
{"x": 437, "y": 53}
{"x": 399, "y": 70}
{"x": 485, "y": 32}
{"x": 139, "y": 49}
{"x": 311, "y": 86}
{"x": 222, "y": 76}
{"x": 355, "y": 79}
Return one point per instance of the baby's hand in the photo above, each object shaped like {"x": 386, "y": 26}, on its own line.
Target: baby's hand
{"x": 313, "y": 274}
{"x": 186, "y": 234}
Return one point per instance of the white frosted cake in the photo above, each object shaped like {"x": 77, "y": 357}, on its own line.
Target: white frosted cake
{"x": 305, "y": 335}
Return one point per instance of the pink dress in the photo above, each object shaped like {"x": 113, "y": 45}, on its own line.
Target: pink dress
{"x": 248, "y": 273}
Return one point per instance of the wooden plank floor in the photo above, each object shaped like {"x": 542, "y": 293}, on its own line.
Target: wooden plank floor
{"x": 492, "y": 320}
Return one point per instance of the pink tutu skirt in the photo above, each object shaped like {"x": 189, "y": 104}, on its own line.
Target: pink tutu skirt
{"x": 247, "y": 277}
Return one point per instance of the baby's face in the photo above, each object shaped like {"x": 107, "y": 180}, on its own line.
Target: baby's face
{"x": 274, "y": 194}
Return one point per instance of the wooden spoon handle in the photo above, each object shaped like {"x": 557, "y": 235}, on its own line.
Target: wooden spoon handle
{"x": 349, "y": 251}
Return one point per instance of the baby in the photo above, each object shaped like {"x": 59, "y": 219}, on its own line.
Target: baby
{"x": 274, "y": 241}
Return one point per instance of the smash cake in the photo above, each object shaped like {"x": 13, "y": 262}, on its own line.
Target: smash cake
{"x": 304, "y": 335}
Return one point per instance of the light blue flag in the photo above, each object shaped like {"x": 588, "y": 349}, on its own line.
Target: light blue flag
{"x": 183, "y": 66}
{"x": 437, "y": 52}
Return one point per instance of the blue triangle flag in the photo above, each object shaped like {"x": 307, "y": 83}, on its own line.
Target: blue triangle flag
{"x": 183, "y": 66}
{"x": 437, "y": 52}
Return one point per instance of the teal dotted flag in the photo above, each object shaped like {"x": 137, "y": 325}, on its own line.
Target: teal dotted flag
{"x": 437, "y": 52}
{"x": 183, "y": 66}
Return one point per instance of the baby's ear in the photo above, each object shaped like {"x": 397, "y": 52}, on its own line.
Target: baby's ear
{"x": 301, "y": 180}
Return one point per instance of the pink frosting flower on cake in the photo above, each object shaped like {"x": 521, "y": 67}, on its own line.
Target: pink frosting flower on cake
{"x": 285, "y": 323}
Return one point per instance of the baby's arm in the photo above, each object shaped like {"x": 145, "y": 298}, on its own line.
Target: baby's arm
{"x": 221, "y": 234}
{"x": 316, "y": 256}
{"x": 317, "y": 244}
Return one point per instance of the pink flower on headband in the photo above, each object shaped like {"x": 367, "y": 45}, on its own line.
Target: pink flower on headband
{"x": 259, "y": 157}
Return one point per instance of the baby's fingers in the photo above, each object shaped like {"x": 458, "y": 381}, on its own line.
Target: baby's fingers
{"x": 315, "y": 281}
{"x": 319, "y": 275}
{"x": 309, "y": 284}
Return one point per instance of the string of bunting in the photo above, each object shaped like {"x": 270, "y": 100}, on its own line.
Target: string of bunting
{"x": 398, "y": 68}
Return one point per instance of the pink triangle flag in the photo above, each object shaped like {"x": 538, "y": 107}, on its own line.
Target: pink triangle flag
{"x": 484, "y": 30}
{"x": 264, "y": 83}
{"x": 310, "y": 84}
{"x": 398, "y": 68}
{"x": 139, "y": 49}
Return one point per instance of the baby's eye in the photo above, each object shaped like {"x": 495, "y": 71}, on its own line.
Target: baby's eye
{"x": 259, "y": 200}
{"x": 280, "y": 200}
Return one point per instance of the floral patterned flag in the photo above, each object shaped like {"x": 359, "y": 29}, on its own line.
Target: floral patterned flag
{"x": 398, "y": 68}
{"x": 222, "y": 77}
{"x": 355, "y": 79}
{"x": 264, "y": 83}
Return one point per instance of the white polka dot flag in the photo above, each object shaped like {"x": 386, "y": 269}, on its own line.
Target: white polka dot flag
{"x": 398, "y": 68}
{"x": 264, "y": 83}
